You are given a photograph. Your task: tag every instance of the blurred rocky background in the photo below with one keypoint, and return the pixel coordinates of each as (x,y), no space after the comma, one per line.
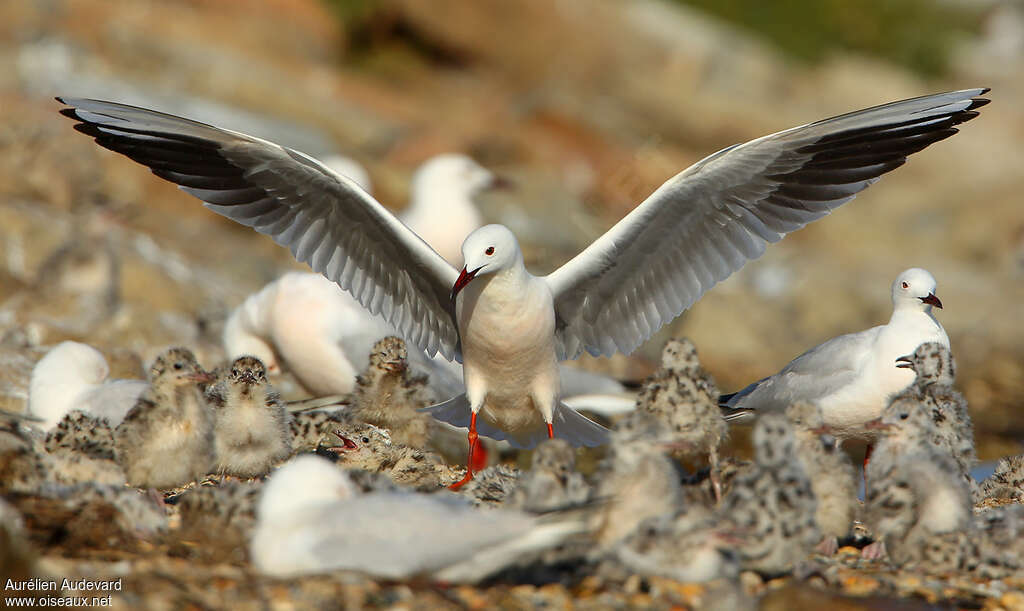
(588,106)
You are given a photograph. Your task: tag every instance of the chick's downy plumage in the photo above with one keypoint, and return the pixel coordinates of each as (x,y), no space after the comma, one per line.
(252,429)
(914,489)
(771,508)
(684,398)
(387,395)
(166,440)
(832,476)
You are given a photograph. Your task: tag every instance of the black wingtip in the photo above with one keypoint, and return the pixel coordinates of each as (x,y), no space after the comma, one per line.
(69,112)
(978,103)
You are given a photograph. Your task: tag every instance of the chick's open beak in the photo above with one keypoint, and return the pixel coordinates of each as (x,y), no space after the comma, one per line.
(931,299)
(904,362)
(465,277)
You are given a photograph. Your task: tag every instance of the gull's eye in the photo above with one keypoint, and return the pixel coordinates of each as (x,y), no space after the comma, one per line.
(366,440)
(178,365)
(489,251)
(234,372)
(906,285)
(904,416)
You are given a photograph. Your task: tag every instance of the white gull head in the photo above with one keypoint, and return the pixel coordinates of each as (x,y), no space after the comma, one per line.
(488,250)
(915,288)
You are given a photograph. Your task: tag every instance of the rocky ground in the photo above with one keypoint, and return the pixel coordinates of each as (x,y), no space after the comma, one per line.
(588,107)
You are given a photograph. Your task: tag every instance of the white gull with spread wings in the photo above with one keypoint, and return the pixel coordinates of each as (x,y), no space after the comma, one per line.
(692,232)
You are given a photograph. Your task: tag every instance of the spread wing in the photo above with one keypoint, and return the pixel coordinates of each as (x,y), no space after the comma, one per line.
(713,217)
(325,219)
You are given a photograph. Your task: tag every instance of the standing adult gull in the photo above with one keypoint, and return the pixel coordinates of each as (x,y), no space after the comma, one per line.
(511,328)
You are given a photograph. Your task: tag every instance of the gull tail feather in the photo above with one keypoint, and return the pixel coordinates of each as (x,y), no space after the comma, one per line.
(569,425)
(577,429)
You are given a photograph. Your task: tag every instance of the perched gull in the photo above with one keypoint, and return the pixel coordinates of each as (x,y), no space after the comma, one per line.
(852,377)
(74,376)
(509,327)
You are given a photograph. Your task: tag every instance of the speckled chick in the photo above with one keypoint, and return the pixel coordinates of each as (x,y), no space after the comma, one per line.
(314,428)
(687,547)
(388,396)
(220,518)
(914,490)
(23,461)
(552,481)
(936,371)
(81,432)
(493,486)
(684,397)
(166,440)
(1006,482)
(252,428)
(635,481)
(368,447)
(832,476)
(771,508)
(998,537)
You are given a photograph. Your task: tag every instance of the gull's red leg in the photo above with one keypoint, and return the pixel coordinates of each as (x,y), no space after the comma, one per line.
(551,431)
(867,459)
(472,451)
(479,459)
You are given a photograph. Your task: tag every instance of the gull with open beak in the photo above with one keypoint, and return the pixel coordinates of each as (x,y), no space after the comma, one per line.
(510,328)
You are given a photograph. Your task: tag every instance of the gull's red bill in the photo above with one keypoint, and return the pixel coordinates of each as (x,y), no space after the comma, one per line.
(931,299)
(465,277)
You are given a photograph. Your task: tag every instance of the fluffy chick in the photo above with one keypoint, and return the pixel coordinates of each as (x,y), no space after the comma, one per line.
(252,428)
(166,440)
(552,481)
(1006,482)
(771,508)
(635,481)
(22,460)
(81,432)
(388,396)
(832,476)
(684,397)
(914,491)
(687,548)
(311,429)
(953,431)
(367,447)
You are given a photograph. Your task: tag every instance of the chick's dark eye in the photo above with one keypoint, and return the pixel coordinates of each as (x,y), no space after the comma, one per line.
(366,440)
(489,251)
(906,285)
(178,366)
(904,416)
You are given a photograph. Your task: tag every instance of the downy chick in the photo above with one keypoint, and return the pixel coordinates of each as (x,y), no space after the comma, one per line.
(252,430)
(772,508)
(832,476)
(387,395)
(367,447)
(684,397)
(166,440)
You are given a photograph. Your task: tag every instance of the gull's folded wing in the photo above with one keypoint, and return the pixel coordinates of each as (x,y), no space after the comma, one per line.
(710,219)
(325,219)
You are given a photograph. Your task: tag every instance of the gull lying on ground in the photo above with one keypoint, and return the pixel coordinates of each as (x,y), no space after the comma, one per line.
(74,376)
(311,520)
(509,327)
